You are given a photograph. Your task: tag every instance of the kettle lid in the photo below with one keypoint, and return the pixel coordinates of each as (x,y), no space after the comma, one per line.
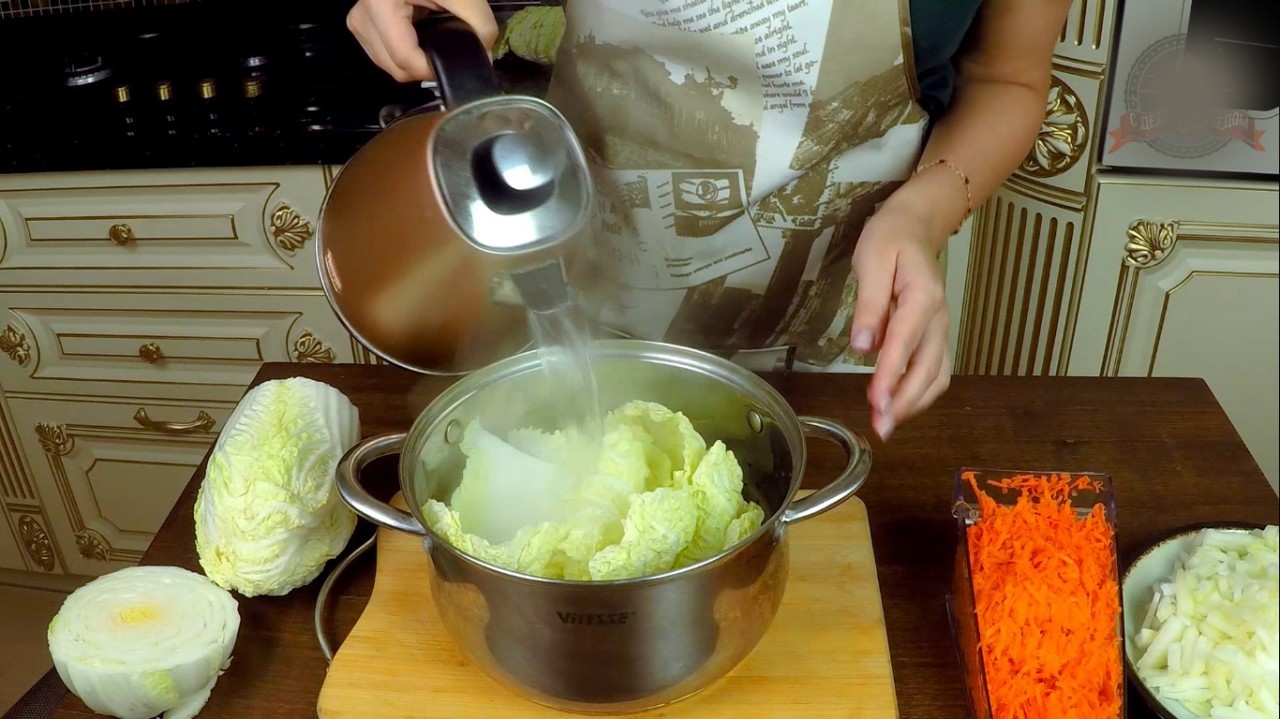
(428,229)
(510,174)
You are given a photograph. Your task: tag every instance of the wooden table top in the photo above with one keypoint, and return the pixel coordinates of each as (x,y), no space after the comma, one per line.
(1175,457)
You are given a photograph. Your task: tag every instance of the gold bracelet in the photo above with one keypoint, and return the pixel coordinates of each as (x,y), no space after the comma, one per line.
(968,194)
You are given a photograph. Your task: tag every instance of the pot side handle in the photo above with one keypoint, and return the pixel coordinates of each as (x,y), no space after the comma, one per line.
(841,488)
(353,493)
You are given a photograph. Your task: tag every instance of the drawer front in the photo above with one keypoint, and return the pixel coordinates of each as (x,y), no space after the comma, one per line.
(109,472)
(204,346)
(173,228)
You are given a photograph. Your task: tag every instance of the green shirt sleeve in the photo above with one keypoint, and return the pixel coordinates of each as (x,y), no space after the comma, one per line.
(938,28)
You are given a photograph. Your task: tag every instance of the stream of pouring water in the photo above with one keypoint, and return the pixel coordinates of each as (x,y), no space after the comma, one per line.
(562,336)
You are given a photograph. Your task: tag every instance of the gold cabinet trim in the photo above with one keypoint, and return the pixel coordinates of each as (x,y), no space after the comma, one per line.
(1064,134)
(1150,242)
(310,349)
(92,546)
(289,229)
(54,439)
(36,542)
(14,343)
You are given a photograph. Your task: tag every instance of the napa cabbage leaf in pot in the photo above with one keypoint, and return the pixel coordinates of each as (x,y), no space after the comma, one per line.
(654,498)
(268,515)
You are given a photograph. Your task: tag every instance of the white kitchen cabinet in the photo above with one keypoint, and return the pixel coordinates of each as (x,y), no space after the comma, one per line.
(1181,281)
(251,227)
(135,308)
(198,345)
(110,470)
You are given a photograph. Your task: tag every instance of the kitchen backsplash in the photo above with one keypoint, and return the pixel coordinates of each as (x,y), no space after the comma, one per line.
(27,8)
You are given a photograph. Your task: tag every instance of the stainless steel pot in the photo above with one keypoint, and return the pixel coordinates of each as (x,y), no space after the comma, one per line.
(619,646)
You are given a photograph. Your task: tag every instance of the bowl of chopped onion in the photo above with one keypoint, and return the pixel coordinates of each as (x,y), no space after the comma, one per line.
(1202,622)
(1035,599)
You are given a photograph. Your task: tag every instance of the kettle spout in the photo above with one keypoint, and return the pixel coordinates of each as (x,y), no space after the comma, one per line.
(543,287)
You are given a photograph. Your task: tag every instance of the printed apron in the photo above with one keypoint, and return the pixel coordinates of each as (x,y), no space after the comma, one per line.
(738,147)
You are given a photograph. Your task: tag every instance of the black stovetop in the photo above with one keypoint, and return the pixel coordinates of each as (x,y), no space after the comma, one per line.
(289,85)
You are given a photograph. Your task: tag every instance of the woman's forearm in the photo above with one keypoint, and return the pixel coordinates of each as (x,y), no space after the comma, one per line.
(986,134)
(1002,83)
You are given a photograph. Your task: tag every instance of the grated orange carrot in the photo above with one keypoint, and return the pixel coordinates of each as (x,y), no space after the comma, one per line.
(1047,602)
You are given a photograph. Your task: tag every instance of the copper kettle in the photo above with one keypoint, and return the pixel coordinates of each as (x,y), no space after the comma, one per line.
(440,233)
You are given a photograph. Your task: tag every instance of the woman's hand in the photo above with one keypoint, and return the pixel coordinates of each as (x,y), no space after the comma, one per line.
(901,311)
(385,31)
(1002,79)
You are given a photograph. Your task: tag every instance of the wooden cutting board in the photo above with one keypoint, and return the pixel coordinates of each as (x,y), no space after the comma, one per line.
(825,655)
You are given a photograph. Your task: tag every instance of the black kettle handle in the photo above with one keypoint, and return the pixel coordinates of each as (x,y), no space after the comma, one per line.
(463,70)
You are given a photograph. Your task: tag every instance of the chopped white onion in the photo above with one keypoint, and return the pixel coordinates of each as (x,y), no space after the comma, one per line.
(143,641)
(1210,639)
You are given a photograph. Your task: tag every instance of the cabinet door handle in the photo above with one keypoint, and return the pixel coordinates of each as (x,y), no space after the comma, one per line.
(120,234)
(203,422)
(150,353)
